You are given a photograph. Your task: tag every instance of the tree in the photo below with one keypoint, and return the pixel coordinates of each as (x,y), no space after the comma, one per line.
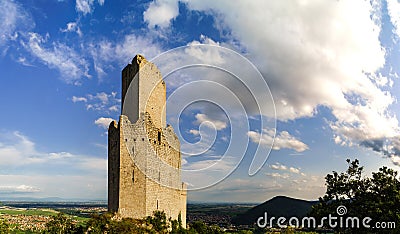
(99,223)
(377,197)
(60,224)
(158,221)
(176,225)
(129,225)
(201,228)
(4,227)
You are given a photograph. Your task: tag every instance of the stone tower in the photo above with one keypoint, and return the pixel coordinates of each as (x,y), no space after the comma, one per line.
(144,159)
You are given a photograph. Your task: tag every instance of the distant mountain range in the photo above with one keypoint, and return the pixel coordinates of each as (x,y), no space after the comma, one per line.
(279,206)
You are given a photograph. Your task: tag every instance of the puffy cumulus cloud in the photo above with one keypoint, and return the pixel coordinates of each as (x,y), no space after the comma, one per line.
(103,122)
(213,123)
(12,19)
(393,7)
(67,61)
(278,166)
(283,140)
(281,167)
(160,13)
(100,102)
(86,6)
(320,53)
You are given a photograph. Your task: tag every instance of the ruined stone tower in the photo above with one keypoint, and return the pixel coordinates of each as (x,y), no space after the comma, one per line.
(144,159)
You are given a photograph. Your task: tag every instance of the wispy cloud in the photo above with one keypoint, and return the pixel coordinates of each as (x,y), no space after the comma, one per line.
(18,189)
(13,18)
(278,175)
(19,154)
(25,169)
(86,6)
(100,102)
(216,163)
(283,140)
(72,27)
(67,61)
(260,189)
(106,52)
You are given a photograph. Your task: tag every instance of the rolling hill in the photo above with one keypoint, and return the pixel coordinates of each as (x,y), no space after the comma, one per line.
(279,206)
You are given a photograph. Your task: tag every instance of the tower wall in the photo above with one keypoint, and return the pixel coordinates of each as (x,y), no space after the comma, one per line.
(113,166)
(144,154)
(143,87)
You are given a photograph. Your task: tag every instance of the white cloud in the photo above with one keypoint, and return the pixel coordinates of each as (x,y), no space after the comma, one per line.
(103,122)
(12,19)
(105,52)
(281,167)
(278,167)
(213,123)
(12,189)
(79,99)
(160,13)
(194,132)
(393,7)
(259,189)
(103,97)
(215,164)
(61,57)
(283,140)
(86,6)
(72,27)
(63,186)
(294,170)
(100,102)
(114,108)
(23,61)
(18,154)
(278,175)
(306,67)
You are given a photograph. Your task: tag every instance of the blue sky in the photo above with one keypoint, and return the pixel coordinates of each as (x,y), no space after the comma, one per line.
(331,66)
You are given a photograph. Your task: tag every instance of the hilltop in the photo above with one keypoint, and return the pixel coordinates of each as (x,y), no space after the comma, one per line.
(279,206)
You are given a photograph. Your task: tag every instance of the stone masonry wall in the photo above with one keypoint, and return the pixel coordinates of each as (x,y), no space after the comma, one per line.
(156,183)
(144,155)
(113,166)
